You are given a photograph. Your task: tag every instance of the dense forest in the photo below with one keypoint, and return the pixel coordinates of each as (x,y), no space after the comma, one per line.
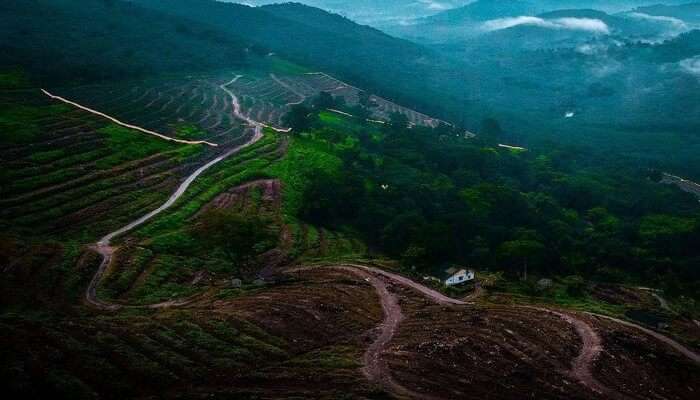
(430,197)
(100,40)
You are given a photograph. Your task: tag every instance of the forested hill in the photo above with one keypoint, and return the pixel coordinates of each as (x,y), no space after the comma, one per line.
(324,41)
(67,40)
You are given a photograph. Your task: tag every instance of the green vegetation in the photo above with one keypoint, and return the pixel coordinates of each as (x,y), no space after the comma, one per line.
(126,145)
(240,237)
(305,158)
(431,197)
(19,123)
(13,79)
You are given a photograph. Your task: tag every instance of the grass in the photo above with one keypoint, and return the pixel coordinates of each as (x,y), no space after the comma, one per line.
(127,145)
(305,157)
(13,79)
(272,64)
(559,295)
(188,132)
(19,123)
(329,358)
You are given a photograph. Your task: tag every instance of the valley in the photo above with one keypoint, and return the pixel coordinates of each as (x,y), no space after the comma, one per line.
(201,199)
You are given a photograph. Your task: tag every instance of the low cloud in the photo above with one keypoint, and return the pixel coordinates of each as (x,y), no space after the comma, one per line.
(691,66)
(573,24)
(674,22)
(435,5)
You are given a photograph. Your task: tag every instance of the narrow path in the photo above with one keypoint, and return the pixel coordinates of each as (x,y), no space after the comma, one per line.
(662,302)
(591,347)
(285,85)
(691,355)
(430,293)
(124,124)
(241,115)
(581,367)
(103,246)
(375,368)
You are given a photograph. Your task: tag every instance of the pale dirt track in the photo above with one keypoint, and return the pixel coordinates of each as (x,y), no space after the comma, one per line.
(124,124)
(301,96)
(107,251)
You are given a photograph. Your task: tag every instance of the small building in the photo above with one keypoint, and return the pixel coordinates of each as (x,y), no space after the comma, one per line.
(457,276)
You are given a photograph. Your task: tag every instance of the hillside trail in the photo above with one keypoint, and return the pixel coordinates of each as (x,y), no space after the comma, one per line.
(582,366)
(375,368)
(103,246)
(691,355)
(302,96)
(124,124)
(237,108)
(591,348)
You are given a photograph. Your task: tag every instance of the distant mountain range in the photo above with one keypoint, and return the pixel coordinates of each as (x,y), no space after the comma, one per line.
(592,17)
(374,12)
(689,13)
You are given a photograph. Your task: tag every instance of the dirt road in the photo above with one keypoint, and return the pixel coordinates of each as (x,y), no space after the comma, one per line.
(591,347)
(582,366)
(691,355)
(107,251)
(285,85)
(430,293)
(237,109)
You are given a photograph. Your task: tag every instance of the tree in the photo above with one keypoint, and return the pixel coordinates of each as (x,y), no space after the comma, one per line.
(323,101)
(398,123)
(490,130)
(523,250)
(240,237)
(299,118)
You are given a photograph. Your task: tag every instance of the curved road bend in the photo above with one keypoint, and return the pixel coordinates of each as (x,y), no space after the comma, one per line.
(691,355)
(237,108)
(107,251)
(581,368)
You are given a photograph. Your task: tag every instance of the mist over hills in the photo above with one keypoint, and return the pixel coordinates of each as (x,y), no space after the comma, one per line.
(203,199)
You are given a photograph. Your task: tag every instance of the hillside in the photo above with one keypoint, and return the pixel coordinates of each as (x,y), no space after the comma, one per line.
(321,41)
(250,224)
(689,12)
(101,40)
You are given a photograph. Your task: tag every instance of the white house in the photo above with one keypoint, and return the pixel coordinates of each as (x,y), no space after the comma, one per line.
(456,276)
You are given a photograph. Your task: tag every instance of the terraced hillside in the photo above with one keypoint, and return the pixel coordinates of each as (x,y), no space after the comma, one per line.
(255,343)
(199,107)
(153,309)
(65,170)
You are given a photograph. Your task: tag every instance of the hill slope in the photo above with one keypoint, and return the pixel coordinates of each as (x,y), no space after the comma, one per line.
(97,40)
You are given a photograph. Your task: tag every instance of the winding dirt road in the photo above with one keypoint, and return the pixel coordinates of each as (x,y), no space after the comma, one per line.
(591,347)
(375,368)
(240,115)
(582,366)
(691,355)
(103,246)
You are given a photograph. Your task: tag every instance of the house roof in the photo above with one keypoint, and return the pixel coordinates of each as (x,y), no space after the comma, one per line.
(454,270)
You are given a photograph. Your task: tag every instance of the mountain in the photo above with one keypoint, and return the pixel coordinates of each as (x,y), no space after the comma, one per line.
(97,40)
(689,13)
(323,41)
(376,13)
(484,10)
(467,21)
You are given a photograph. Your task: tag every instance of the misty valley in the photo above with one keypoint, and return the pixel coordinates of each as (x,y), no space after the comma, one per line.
(350,199)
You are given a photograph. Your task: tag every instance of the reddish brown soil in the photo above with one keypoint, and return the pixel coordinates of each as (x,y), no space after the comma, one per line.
(643,367)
